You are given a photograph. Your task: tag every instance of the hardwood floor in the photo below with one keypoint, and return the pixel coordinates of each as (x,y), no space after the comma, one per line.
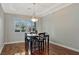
(19,49)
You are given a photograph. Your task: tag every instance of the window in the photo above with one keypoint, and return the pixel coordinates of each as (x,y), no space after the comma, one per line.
(22,25)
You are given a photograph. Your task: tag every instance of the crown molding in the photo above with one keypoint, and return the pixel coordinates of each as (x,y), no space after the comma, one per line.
(50,10)
(55,9)
(22,16)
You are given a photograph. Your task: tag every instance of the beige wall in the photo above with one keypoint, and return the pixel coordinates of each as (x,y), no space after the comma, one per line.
(1,28)
(10,34)
(63,26)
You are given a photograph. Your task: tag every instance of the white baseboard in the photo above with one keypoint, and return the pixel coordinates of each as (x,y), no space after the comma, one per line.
(1,48)
(50,42)
(13,42)
(77,50)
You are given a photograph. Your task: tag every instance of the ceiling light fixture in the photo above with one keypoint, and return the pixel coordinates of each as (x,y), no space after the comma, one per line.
(34,19)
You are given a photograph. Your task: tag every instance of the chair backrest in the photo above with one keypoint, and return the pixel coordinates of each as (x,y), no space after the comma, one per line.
(41,36)
(25,35)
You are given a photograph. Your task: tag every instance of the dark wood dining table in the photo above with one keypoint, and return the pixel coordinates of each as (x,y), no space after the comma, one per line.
(29,39)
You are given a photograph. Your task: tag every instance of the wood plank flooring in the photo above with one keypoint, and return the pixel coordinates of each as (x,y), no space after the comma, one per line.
(19,49)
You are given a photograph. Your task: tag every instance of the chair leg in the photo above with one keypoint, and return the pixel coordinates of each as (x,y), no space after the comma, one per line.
(39,47)
(31,47)
(43,45)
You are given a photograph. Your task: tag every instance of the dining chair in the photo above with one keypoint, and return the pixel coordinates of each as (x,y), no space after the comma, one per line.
(26,43)
(42,41)
(38,43)
(47,43)
(34,43)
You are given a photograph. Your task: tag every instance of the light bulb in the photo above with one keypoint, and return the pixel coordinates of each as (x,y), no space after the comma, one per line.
(34,19)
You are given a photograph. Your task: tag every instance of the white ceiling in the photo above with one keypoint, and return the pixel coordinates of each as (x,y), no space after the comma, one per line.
(41,9)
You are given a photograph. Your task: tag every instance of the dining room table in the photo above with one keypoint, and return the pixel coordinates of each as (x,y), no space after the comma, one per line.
(29,37)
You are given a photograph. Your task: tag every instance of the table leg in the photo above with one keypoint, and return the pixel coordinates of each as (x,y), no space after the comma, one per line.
(48,45)
(30,48)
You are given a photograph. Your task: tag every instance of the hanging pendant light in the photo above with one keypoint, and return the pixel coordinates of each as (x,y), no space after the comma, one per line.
(34,19)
